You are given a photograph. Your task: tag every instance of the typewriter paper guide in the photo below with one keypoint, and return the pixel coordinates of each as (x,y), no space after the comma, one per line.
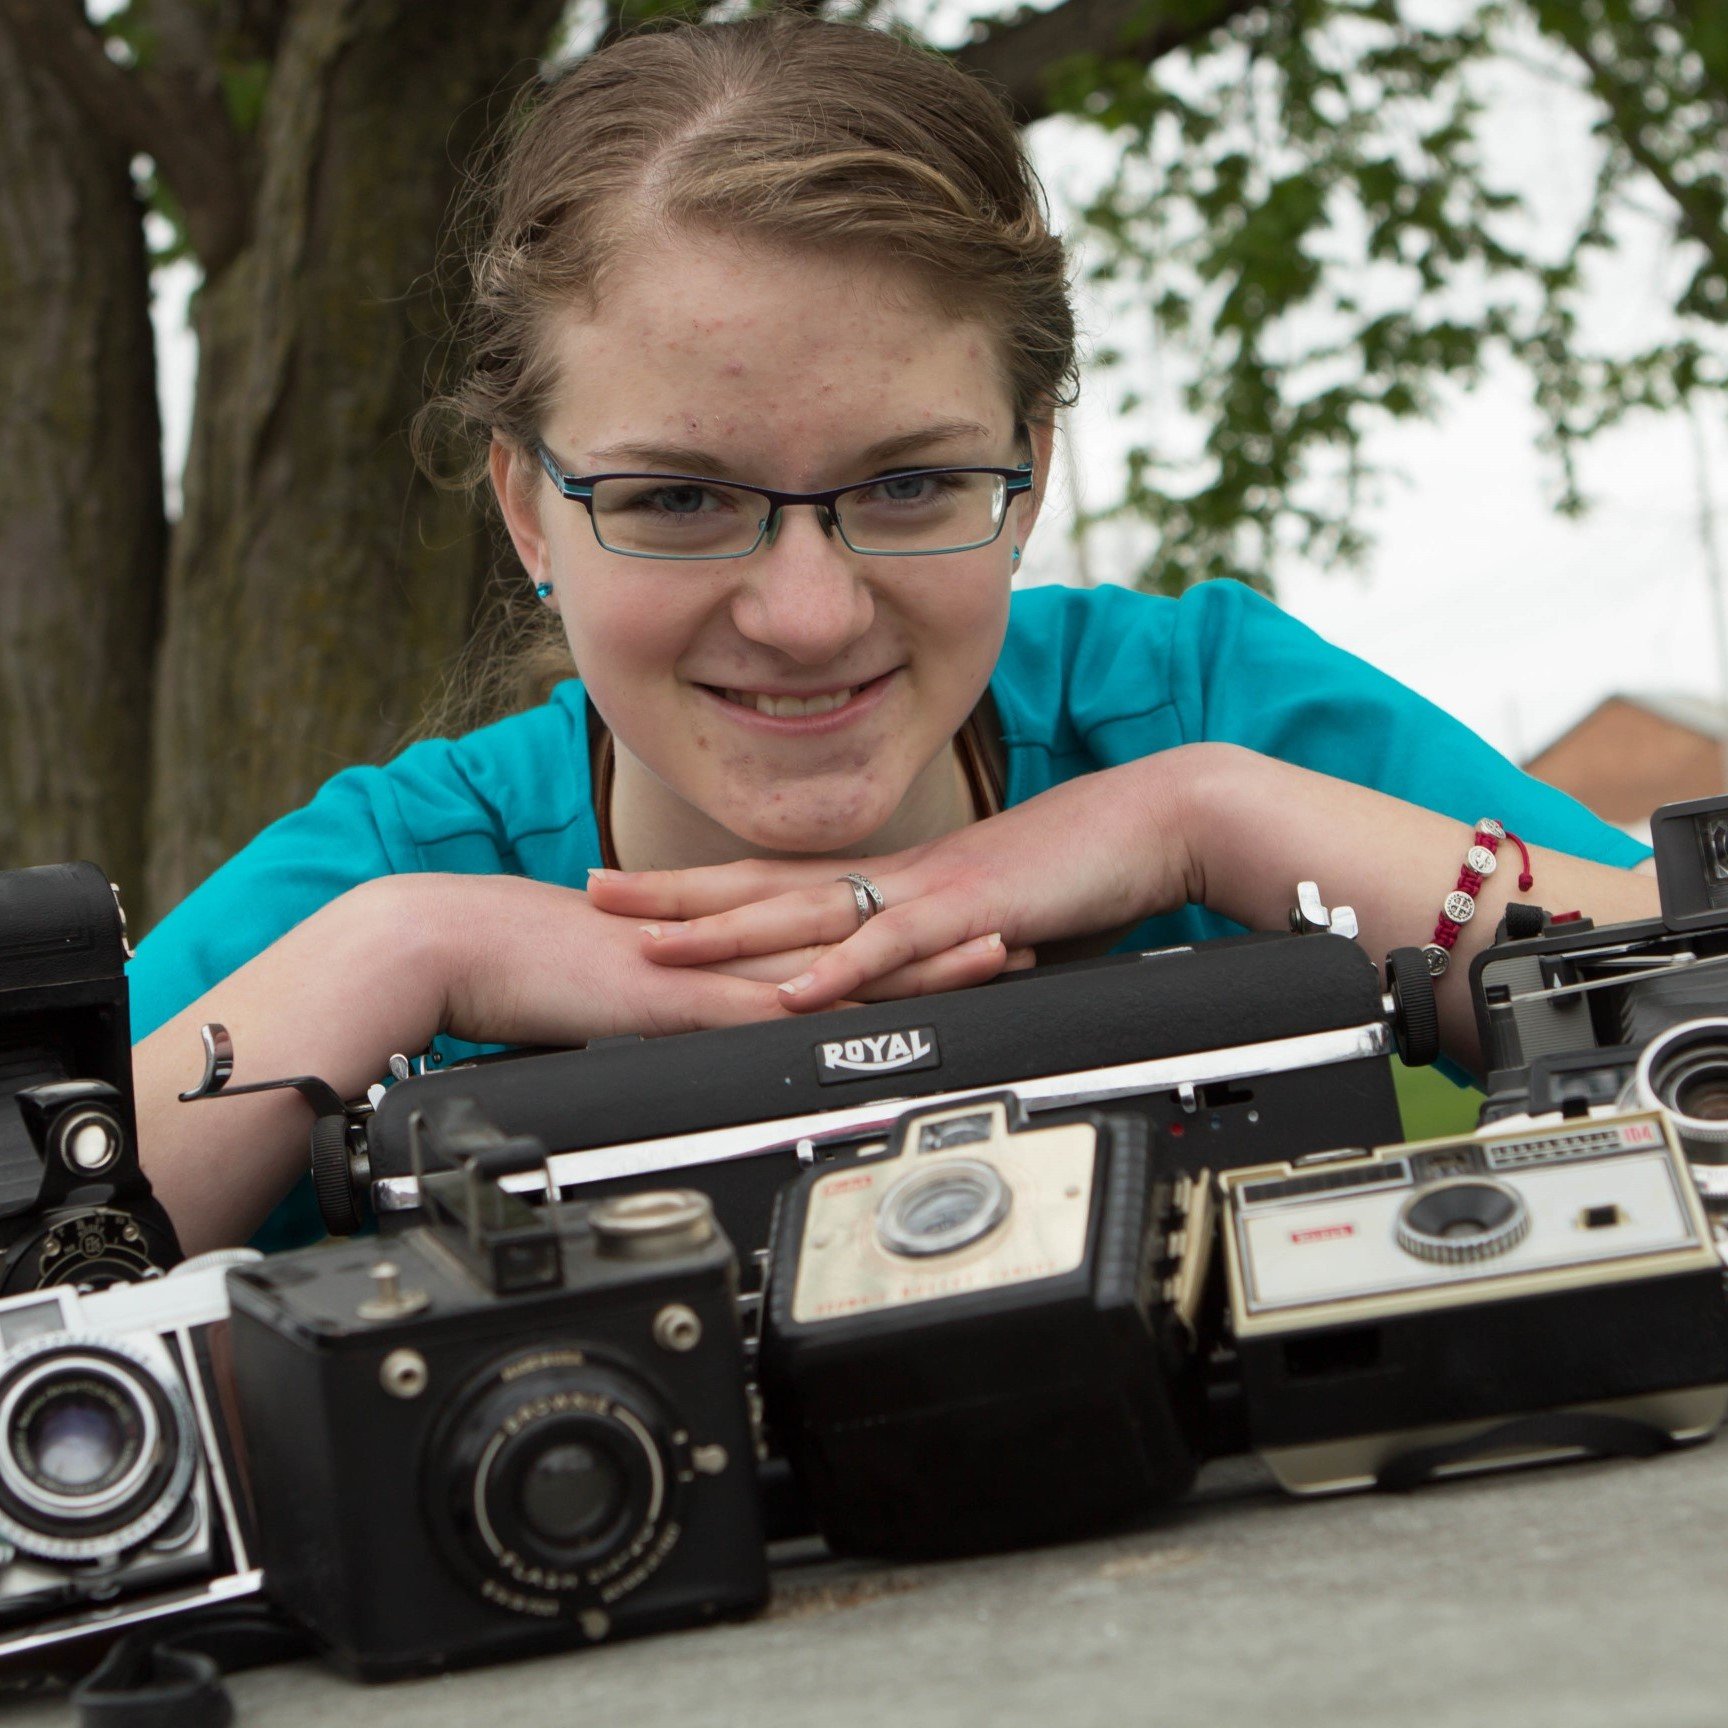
(844,1270)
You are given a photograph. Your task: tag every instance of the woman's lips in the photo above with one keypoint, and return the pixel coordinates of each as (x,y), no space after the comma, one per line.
(811,715)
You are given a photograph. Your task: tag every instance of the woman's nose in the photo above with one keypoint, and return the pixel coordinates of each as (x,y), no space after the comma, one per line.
(803,591)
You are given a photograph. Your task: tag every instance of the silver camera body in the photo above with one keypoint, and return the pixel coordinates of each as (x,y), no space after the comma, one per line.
(121,1500)
(1530,1291)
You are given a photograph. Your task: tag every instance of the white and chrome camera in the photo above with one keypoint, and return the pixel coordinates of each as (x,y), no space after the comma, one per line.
(1453,1305)
(120,1500)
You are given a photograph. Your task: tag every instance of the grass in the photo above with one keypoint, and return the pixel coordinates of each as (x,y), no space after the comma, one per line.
(1431,1105)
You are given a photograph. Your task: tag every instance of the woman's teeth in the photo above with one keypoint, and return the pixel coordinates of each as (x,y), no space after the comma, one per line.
(785,706)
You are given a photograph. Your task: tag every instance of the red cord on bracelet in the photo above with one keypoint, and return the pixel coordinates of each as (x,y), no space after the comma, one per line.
(1460,905)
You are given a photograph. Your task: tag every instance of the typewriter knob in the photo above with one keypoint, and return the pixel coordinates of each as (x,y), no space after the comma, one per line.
(333,1176)
(1415,1017)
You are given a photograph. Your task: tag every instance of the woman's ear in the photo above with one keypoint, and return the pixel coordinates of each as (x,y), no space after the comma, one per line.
(1040,436)
(514,481)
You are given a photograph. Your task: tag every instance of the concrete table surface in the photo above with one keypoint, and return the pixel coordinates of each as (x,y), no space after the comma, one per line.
(1577,1595)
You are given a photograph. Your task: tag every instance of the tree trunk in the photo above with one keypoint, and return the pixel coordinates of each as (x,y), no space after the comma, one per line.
(319,586)
(81,528)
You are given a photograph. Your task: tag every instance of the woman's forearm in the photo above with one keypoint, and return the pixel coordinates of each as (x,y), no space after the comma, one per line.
(361,978)
(1256,826)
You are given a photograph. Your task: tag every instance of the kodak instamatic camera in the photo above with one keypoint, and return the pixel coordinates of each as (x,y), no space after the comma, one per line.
(982,1337)
(517,1429)
(121,1503)
(1453,1305)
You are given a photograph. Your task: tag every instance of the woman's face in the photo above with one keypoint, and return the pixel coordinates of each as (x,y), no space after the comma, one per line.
(797,372)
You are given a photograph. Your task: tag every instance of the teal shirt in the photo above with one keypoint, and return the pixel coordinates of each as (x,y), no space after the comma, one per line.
(1087,679)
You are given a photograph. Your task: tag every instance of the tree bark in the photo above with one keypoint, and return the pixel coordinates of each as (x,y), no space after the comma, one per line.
(81,524)
(318,585)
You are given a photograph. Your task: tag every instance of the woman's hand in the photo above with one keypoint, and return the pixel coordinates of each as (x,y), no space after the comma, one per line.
(1092,854)
(537,964)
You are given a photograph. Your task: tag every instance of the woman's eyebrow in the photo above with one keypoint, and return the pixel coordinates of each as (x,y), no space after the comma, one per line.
(688,459)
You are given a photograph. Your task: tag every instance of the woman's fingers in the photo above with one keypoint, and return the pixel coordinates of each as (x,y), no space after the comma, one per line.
(683,894)
(958,969)
(824,913)
(895,939)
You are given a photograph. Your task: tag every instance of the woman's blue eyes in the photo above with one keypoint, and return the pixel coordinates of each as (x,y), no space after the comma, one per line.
(688,500)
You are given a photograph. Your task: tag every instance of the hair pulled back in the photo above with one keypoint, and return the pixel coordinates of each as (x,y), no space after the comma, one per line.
(781,127)
(792,129)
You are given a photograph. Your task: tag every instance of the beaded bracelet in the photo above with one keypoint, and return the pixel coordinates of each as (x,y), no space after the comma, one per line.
(1460,905)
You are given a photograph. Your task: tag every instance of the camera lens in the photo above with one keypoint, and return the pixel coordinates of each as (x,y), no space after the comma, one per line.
(1684,1071)
(942,1209)
(571,1492)
(554,1478)
(97,1447)
(1463,1219)
(78,1438)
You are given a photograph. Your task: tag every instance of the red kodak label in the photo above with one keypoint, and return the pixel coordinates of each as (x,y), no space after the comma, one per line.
(1322,1233)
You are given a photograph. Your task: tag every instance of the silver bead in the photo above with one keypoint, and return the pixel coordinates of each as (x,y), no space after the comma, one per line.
(1487,825)
(1438,959)
(1460,907)
(1481,860)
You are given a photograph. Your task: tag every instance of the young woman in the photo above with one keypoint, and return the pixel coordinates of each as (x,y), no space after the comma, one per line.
(769,331)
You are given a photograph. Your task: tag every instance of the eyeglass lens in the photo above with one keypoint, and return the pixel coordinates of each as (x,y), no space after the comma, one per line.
(946,511)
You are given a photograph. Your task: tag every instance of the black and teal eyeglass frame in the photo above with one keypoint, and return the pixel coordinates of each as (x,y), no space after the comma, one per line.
(579,488)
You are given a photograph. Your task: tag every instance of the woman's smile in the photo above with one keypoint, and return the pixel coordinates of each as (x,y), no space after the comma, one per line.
(789,714)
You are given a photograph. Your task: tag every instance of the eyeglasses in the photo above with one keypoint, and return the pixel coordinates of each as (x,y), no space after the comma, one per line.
(913,513)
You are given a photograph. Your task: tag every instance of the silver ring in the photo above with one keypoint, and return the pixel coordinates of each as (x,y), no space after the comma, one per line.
(866,896)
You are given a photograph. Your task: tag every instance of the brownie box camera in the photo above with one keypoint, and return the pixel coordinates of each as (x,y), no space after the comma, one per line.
(523,1429)
(981,1338)
(1449,1305)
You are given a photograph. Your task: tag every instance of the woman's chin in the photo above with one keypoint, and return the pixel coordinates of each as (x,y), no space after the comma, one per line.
(808,834)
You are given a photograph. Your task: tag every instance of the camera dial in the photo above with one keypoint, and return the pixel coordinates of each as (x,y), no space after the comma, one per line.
(97,1450)
(942,1208)
(1461,1219)
(555,1482)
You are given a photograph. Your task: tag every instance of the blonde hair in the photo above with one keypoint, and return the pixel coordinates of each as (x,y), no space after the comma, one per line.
(784,127)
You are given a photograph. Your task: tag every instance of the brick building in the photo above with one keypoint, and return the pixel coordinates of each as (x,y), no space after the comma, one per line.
(1630,754)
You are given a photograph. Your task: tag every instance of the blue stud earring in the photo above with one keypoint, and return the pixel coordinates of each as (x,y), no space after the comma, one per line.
(544,589)
(1016,559)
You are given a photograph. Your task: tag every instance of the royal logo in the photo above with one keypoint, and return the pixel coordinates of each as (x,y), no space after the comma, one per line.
(881,1053)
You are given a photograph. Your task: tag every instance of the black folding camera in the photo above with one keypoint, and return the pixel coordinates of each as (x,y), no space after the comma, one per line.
(121,1498)
(984,1337)
(75,1205)
(1575,1018)
(511,1430)
(1545,1290)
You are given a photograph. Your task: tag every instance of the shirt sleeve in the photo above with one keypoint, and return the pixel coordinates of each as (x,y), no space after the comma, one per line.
(350,833)
(1244,672)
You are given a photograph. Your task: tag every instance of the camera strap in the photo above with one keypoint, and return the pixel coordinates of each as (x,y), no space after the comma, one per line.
(1596,1435)
(176,1681)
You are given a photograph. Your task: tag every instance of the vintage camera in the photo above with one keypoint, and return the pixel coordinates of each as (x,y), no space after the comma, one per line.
(75,1206)
(514,1429)
(1454,1305)
(1565,1008)
(122,1501)
(984,1337)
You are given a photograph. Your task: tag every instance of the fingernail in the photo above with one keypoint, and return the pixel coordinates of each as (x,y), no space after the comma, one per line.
(983,944)
(595,870)
(803,981)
